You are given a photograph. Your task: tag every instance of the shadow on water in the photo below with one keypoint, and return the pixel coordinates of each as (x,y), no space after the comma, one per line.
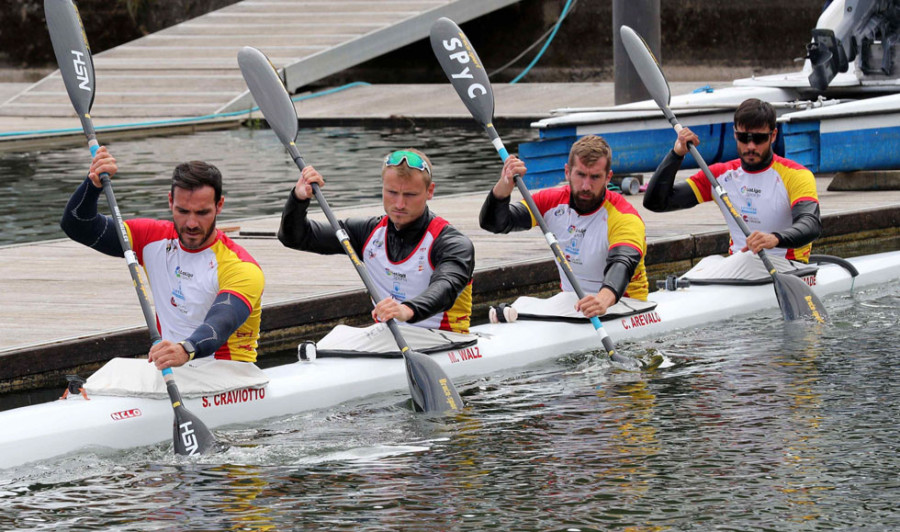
(257,172)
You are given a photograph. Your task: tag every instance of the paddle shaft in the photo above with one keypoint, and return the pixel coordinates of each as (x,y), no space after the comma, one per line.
(191,436)
(466,73)
(607,342)
(429,386)
(450,393)
(73,56)
(720,192)
(808,304)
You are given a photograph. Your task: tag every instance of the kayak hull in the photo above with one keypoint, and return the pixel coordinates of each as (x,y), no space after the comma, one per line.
(46,430)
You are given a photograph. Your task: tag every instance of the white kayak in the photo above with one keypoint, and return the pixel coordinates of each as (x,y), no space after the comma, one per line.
(52,429)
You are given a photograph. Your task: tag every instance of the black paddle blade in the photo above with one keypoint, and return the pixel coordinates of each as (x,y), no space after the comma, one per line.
(646,66)
(430,388)
(191,436)
(463,68)
(73,55)
(270,94)
(797,300)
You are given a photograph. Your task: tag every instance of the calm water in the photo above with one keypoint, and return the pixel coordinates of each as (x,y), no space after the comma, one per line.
(758,425)
(257,171)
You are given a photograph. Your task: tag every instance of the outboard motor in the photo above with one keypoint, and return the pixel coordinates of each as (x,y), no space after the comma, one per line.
(867,31)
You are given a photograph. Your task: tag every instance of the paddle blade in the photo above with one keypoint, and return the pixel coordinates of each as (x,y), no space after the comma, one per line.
(72,52)
(797,300)
(646,66)
(191,436)
(269,92)
(430,388)
(463,68)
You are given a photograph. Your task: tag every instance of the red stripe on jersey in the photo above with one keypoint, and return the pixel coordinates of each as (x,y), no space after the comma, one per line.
(239,296)
(787,162)
(224,352)
(627,244)
(702,184)
(235,248)
(382,223)
(144,231)
(804,198)
(551,198)
(621,204)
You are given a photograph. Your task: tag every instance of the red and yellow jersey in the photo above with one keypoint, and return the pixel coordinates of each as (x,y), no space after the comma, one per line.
(184,283)
(763,199)
(587,239)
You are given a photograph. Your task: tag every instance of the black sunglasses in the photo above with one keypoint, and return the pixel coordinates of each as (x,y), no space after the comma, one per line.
(744,137)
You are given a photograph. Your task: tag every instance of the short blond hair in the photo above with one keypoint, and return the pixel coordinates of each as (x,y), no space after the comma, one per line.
(589,149)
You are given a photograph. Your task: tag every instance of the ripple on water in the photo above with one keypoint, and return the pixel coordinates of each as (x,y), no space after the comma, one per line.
(758,424)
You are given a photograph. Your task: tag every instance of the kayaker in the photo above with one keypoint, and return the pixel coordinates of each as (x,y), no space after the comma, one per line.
(207,289)
(417,258)
(776,196)
(601,234)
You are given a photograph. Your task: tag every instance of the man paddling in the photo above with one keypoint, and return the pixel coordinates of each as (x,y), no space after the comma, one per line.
(775,196)
(423,263)
(207,289)
(601,234)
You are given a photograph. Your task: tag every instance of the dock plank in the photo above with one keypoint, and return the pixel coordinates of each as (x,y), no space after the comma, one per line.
(61,289)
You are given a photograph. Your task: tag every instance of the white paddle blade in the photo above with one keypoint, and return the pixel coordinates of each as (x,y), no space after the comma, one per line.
(73,55)
(269,92)
(646,66)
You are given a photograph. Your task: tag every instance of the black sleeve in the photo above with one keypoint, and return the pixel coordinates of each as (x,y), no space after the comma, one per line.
(299,232)
(82,223)
(227,313)
(501,216)
(453,256)
(806,225)
(621,263)
(662,193)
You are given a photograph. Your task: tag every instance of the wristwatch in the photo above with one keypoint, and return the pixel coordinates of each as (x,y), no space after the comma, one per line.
(189,349)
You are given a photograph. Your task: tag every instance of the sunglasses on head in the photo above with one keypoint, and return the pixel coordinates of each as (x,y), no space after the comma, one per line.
(413,160)
(744,137)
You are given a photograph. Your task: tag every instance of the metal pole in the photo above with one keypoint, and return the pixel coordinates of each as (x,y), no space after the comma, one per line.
(643,17)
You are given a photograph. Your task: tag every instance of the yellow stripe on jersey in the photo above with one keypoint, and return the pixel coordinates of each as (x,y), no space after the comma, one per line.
(459,315)
(628,229)
(245,279)
(800,183)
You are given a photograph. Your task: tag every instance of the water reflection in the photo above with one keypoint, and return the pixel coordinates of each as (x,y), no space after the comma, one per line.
(804,452)
(257,171)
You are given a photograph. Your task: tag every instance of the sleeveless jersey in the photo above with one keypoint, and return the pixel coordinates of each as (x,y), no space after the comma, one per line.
(184,283)
(586,239)
(764,199)
(410,277)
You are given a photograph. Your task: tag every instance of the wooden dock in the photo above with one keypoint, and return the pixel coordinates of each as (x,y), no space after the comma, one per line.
(191,70)
(61,290)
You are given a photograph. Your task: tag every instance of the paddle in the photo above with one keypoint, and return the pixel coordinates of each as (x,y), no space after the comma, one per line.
(76,67)
(429,386)
(468,76)
(795,297)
